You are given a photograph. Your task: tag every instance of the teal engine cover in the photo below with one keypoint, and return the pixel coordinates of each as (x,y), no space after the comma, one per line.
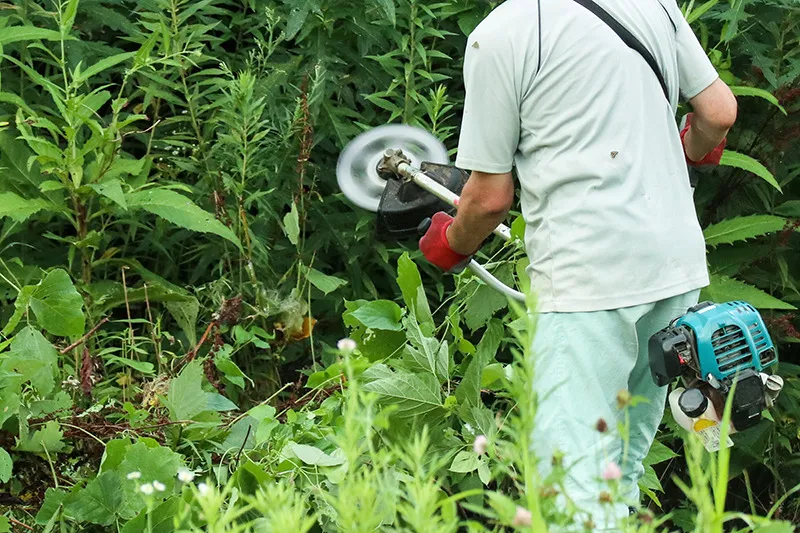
(730,337)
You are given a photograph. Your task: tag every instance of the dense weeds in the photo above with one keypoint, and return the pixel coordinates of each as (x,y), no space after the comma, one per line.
(178,271)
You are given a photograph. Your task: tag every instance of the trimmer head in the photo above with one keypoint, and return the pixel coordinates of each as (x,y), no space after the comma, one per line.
(357,170)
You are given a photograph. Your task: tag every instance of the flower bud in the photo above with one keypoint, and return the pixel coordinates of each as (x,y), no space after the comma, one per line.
(480,445)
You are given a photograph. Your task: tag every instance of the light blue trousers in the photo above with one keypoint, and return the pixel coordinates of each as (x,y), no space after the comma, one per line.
(582,362)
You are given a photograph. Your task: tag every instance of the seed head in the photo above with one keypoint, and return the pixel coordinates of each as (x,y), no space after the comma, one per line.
(623,399)
(602,425)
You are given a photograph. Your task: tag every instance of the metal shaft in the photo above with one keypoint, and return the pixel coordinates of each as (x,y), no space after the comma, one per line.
(443,193)
(449,197)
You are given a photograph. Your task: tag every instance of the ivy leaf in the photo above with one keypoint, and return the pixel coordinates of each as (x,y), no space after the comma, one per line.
(327,284)
(465,462)
(413,394)
(410,282)
(380,314)
(187,399)
(724,289)
(6,466)
(181,211)
(18,208)
(742,228)
(100,502)
(745,162)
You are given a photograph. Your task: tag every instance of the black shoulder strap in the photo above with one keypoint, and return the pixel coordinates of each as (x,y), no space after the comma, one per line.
(628,38)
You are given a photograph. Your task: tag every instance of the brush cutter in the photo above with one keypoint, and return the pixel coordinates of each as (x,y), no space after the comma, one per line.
(402,173)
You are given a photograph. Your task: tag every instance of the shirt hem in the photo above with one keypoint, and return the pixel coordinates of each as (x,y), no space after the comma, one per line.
(605,303)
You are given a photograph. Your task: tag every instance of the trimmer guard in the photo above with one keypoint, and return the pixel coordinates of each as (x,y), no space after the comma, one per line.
(404,205)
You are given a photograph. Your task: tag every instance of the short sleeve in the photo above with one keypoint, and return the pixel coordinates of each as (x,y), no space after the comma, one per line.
(490,125)
(695,69)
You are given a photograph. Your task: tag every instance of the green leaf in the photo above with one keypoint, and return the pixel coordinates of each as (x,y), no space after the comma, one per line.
(291,225)
(111,189)
(57,305)
(5,526)
(776,527)
(725,289)
(6,466)
(53,498)
(46,440)
(789,209)
(27,33)
(181,211)
(380,314)
(102,65)
(465,462)
(387,6)
(327,284)
(154,463)
(142,367)
(311,455)
(427,354)
(100,502)
(187,399)
(745,162)
(185,314)
(742,228)
(18,208)
(658,454)
(469,390)
(162,519)
(34,359)
(760,93)
(410,282)
(413,394)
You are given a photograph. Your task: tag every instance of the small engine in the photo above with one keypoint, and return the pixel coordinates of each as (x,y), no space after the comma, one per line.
(719,345)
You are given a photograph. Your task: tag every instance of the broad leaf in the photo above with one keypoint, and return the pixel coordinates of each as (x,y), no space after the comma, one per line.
(185,314)
(18,208)
(789,209)
(725,289)
(100,502)
(311,455)
(154,463)
(414,395)
(56,304)
(745,162)
(410,282)
(380,314)
(658,454)
(34,359)
(187,399)
(6,466)
(469,390)
(465,462)
(426,353)
(162,519)
(742,228)
(181,211)
(46,440)
(327,284)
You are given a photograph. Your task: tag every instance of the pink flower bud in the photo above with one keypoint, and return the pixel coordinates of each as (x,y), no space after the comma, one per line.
(523,517)
(480,445)
(612,472)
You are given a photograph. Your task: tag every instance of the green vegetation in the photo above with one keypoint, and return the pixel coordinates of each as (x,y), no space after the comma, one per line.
(177,269)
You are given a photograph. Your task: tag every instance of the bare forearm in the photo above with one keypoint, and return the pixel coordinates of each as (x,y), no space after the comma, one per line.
(484,204)
(702,137)
(715,111)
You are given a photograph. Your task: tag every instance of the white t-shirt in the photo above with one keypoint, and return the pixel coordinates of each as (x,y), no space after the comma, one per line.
(610,218)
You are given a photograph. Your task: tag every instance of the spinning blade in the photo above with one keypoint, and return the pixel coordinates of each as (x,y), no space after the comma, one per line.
(357,172)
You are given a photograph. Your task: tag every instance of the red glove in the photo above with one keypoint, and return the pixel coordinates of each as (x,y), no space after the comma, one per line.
(712,158)
(437,250)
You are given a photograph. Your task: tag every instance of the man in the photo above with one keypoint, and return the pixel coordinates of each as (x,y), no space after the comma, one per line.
(615,246)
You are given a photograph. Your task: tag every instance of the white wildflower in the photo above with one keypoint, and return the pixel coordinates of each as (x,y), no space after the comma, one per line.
(147,488)
(203,489)
(160,487)
(480,445)
(134,475)
(523,517)
(186,476)
(347,345)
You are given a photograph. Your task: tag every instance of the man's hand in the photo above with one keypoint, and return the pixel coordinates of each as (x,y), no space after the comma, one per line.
(712,158)
(485,202)
(436,248)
